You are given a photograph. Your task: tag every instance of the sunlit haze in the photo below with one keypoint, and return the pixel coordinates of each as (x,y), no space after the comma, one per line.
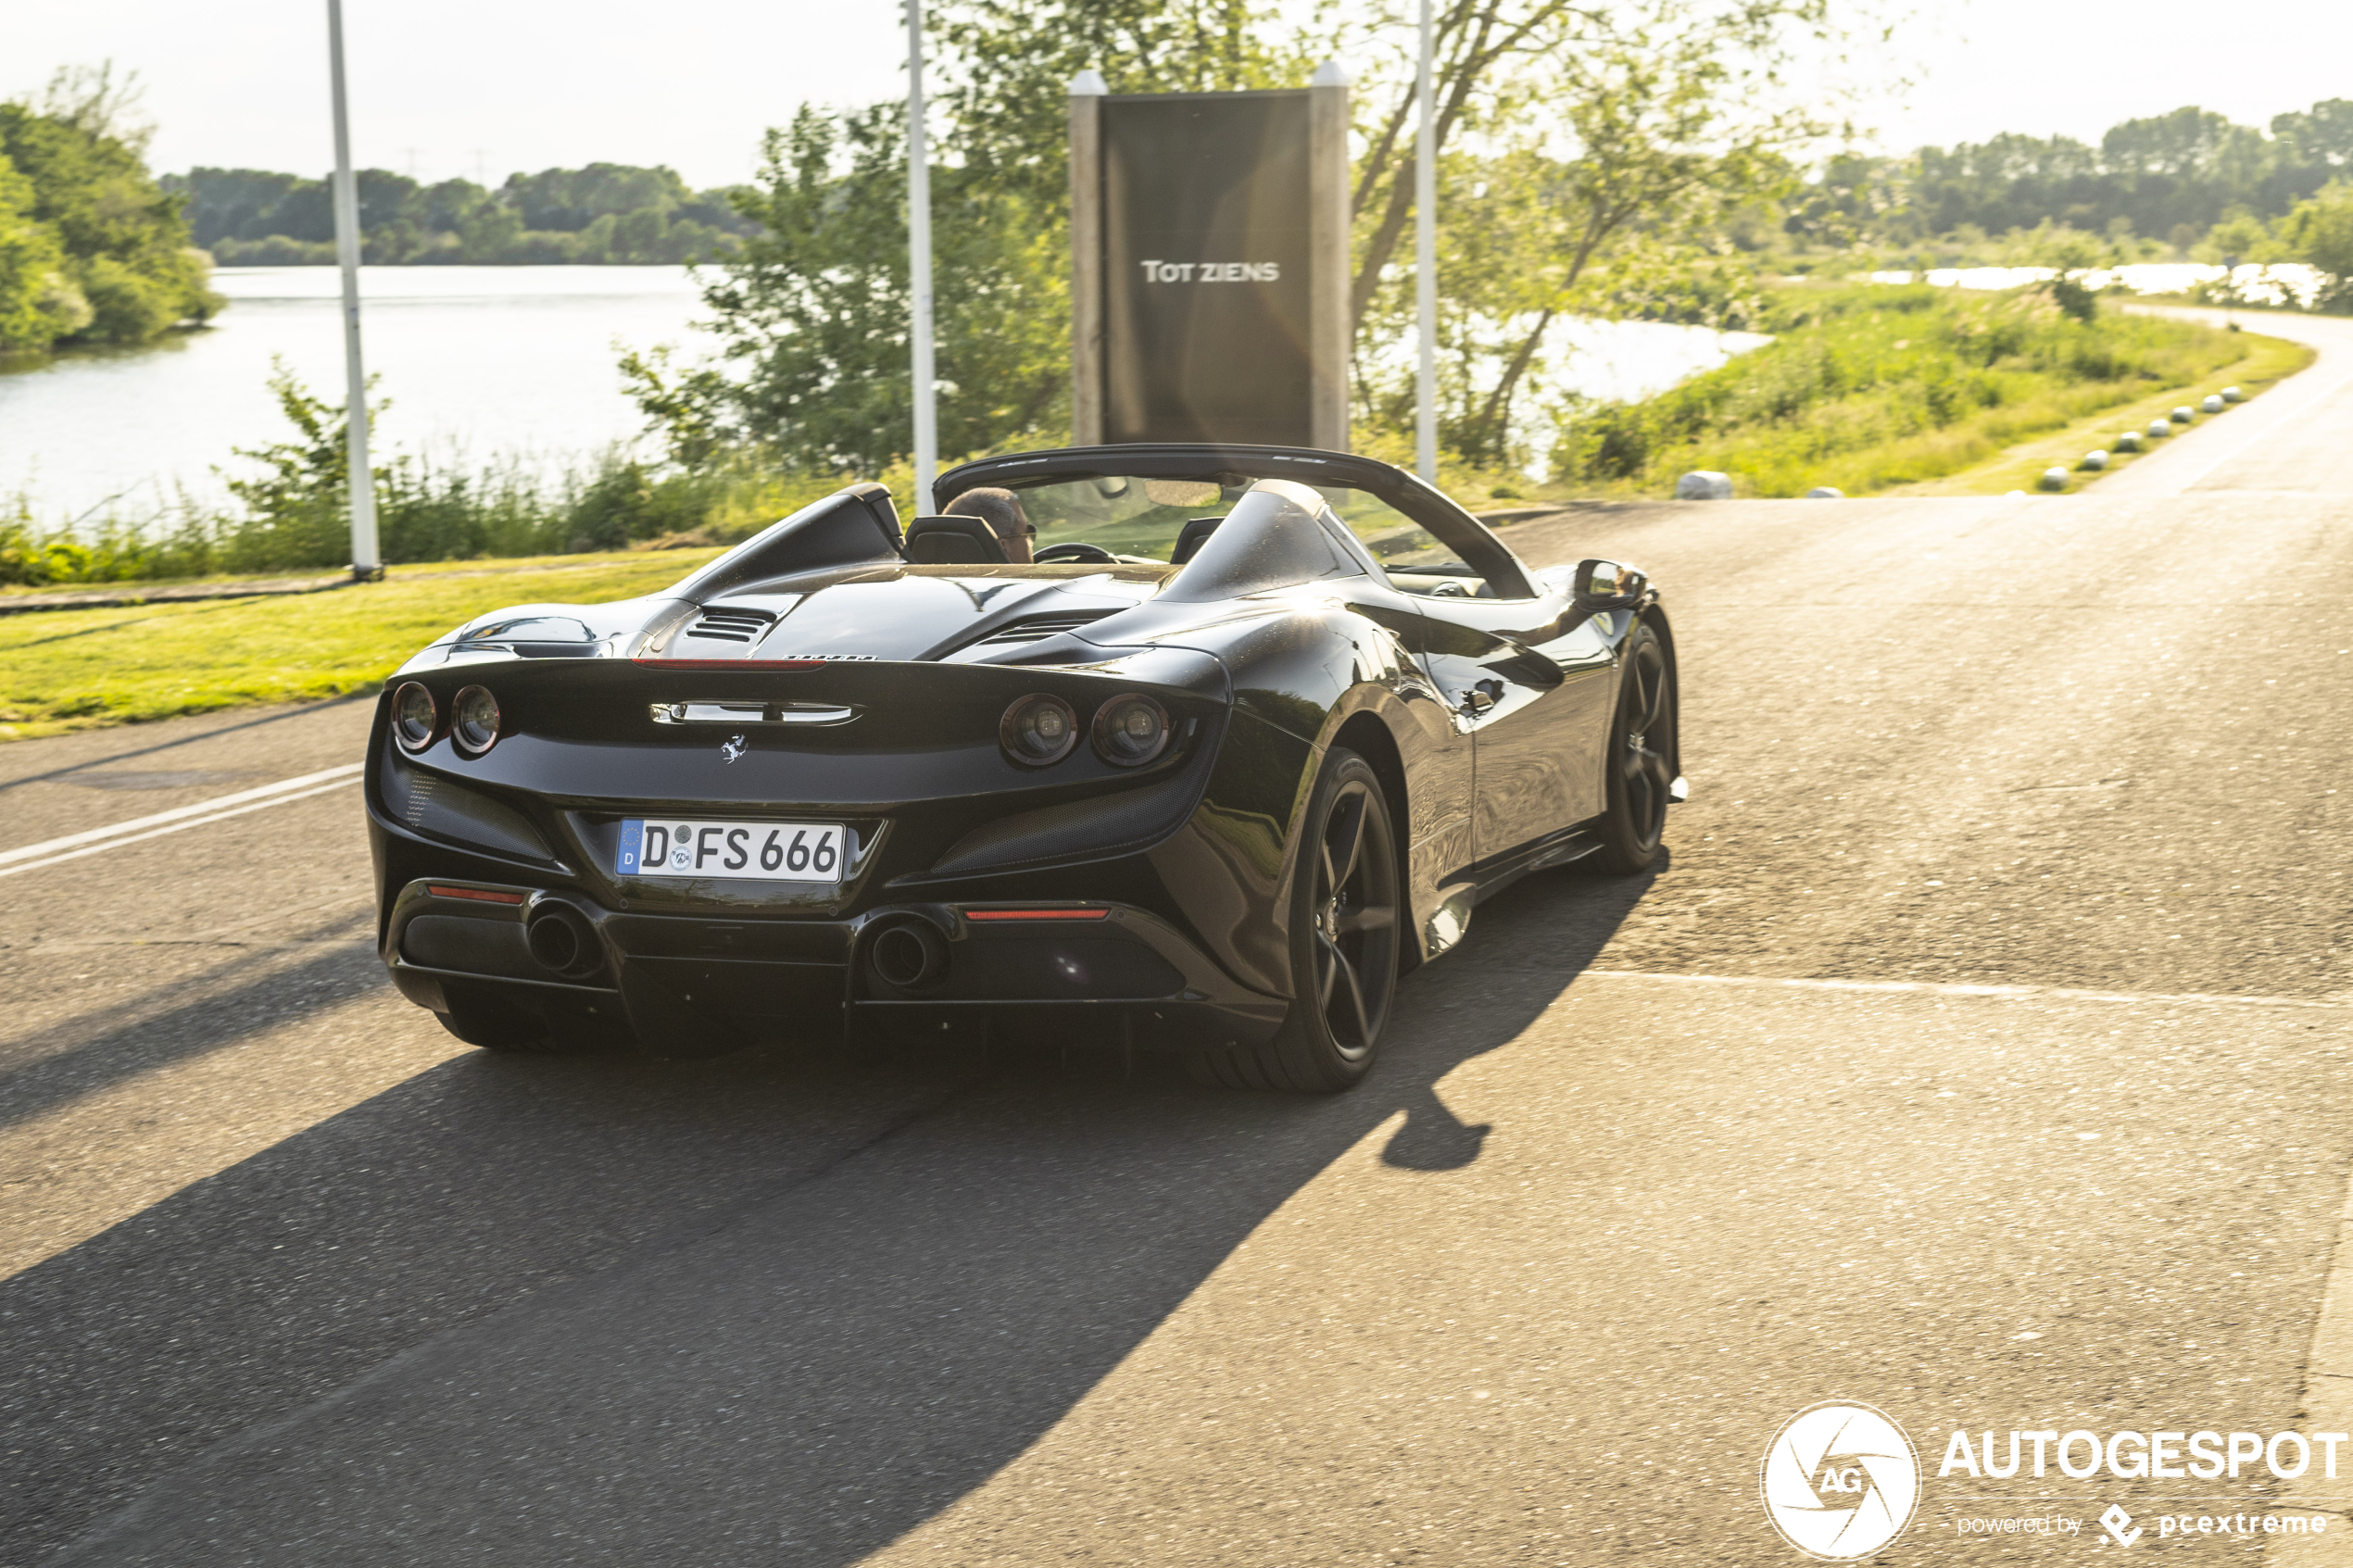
(486,89)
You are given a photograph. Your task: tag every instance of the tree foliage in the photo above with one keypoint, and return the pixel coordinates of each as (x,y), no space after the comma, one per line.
(1583,151)
(91,250)
(2172,175)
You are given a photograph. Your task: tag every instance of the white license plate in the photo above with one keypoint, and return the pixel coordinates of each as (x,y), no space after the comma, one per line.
(764,851)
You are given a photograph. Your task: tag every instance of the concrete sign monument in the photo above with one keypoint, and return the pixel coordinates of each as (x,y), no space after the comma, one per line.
(1209,236)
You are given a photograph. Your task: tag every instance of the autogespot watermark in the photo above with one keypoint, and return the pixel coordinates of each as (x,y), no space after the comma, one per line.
(1842,1479)
(2028,1524)
(2133,1456)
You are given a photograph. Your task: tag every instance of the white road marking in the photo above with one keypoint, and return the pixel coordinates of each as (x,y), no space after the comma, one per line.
(73,846)
(2277,425)
(2053,993)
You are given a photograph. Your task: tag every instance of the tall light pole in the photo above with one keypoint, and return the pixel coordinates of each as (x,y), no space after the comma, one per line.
(361,478)
(918,261)
(1426,261)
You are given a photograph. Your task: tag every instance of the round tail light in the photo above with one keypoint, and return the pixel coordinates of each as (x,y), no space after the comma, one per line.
(473,720)
(1039,730)
(414,717)
(1130,729)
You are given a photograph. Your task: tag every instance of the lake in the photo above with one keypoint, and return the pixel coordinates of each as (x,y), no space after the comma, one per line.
(477,361)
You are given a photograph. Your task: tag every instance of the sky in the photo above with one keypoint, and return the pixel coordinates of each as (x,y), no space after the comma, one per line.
(487,87)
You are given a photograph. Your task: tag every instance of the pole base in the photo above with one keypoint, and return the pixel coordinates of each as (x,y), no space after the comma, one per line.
(367,574)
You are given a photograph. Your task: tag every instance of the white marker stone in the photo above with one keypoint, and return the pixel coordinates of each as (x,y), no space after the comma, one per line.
(2096,459)
(1704,485)
(2054,479)
(2128,441)
(2211,403)
(1826,493)
(2159,430)
(2184,414)
(2232,395)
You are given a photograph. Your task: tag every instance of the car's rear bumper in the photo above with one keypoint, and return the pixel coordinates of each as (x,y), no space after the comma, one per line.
(689,985)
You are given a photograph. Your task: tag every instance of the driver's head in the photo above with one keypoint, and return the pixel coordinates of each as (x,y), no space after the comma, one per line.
(1000,510)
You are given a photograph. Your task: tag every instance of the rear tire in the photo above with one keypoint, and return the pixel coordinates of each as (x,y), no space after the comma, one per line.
(1641,773)
(1346,923)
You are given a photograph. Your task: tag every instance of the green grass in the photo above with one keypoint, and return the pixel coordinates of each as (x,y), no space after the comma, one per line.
(2268,362)
(70,670)
(1875,388)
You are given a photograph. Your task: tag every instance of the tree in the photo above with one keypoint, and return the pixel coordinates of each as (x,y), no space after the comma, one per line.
(814,313)
(2321,232)
(1566,132)
(2320,135)
(1502,66)
(38,303)
(127,272)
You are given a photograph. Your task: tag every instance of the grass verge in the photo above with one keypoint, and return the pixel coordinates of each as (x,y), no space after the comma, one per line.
(71,669)
(2268,362)
(1877,389)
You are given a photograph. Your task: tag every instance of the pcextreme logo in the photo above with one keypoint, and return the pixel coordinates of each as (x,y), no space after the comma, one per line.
(1841,1480)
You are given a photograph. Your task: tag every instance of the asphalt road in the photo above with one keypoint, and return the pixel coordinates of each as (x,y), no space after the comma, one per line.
(1978,1053)
(2292,441)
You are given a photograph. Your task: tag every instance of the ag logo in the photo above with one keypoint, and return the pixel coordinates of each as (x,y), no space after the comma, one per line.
(1840,1481)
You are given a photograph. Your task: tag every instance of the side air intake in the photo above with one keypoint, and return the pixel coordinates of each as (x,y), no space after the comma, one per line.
(731,625)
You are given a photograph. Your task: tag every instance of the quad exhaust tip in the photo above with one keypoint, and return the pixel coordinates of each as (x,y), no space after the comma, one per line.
(563,942)
(909,955)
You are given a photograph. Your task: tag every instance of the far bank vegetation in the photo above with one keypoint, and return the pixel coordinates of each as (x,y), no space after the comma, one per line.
(602,213)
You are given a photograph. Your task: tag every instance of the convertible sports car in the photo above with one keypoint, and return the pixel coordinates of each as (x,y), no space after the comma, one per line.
(1253,735)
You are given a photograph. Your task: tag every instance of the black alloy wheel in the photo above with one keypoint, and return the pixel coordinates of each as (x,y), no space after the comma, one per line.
(1642,748)
(1345,926)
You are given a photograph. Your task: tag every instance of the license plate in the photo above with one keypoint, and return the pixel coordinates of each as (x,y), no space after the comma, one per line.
(762,851)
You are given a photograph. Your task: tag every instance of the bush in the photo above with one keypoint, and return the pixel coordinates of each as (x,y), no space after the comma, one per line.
(292,515)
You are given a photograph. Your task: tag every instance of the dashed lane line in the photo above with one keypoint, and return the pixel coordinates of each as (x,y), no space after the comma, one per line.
(95,841)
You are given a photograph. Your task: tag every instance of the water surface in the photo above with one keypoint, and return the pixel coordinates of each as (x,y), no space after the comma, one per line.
(486,360)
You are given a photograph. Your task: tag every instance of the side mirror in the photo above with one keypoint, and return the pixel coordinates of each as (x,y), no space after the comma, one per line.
(1605,584)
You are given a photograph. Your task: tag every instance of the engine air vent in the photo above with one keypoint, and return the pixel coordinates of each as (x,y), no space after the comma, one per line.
(1036,628)
(731,625)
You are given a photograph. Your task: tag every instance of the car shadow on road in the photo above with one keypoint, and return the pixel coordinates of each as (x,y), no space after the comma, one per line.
(765,1310)
(227,1003)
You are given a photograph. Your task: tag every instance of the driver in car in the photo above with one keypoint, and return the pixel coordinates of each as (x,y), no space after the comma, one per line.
(1000,510)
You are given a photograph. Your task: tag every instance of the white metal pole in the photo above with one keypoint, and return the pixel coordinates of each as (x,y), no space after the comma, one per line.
(346,200)
(1426,262)
(918,261)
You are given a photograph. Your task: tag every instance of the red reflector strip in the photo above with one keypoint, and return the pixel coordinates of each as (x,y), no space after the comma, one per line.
(731,663)
(481,895)
(1036,914)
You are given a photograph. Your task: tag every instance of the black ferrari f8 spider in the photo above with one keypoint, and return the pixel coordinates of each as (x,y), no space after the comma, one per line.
(1251,736)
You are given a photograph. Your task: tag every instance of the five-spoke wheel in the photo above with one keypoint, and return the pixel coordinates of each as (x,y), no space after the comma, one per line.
(1642,753)
(1345,910)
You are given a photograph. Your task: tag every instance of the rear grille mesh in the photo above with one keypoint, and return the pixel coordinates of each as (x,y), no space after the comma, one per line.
(731,625)
(1038,628)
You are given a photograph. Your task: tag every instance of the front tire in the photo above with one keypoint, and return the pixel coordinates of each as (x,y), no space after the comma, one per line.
(1641,746)
(1346,923)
